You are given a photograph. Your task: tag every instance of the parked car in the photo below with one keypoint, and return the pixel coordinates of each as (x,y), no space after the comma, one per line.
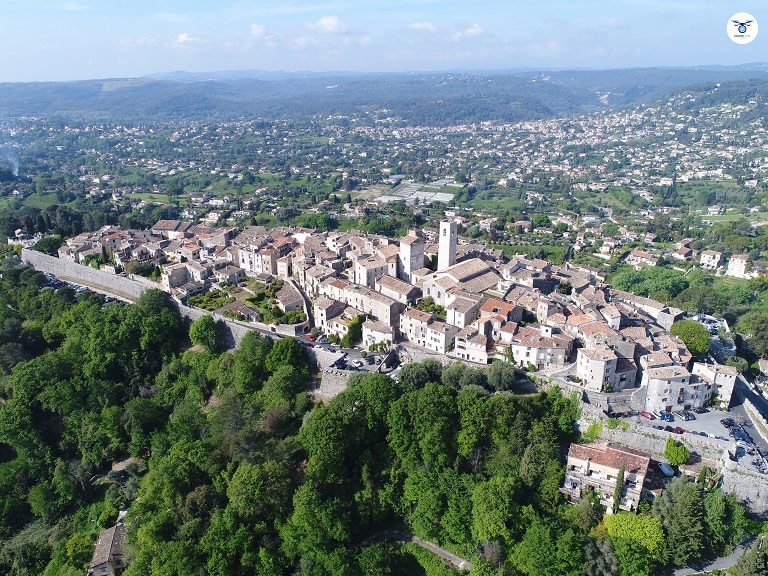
(701,410)
(728,422)
(666,469)
(658,427)
(669,428)
(647,415)
(679,430)
(689,415)
(668,417)
(310,338)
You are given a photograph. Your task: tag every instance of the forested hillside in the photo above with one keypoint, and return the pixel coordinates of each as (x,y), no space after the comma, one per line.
(426,99)
(238,472)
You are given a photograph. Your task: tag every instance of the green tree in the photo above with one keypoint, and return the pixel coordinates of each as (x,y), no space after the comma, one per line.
(694,336)
(737,362)
(354,334)
(206,332)
(681,510)
(754,562)
(676,452)
(618,490)
(501,376)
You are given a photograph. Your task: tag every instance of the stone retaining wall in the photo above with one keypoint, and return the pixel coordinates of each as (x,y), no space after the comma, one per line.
(750,487)
(118,285)
(333,382)
(133,288)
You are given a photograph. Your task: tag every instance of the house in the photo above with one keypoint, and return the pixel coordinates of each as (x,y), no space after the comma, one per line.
(598,466)
(398,289)
(375,332)
(423,329)
(711,260)
(540,347)
(109,557)
(683,253)
(737,265)
(639,259)
(674,388)
(600,366)
(368,269)
(722,378)
(464,309)
(472,344)
(289,299)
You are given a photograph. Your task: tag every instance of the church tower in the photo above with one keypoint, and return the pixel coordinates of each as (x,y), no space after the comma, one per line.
(446,251)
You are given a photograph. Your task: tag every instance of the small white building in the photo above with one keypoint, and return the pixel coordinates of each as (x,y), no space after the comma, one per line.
(423,329)
(737,266)
(375,332)
(711,259)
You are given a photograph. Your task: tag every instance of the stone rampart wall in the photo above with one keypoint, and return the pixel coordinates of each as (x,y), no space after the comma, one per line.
(97,279)
(132,288)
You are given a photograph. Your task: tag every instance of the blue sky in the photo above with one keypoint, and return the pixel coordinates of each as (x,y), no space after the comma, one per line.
(79,39)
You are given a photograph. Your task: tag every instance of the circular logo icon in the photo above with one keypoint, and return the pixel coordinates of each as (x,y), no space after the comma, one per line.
(741,28)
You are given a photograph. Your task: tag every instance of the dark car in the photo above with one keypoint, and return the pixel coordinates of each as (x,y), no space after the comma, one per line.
(658,427)
(688,415)
(669,428)
(701,410)
(728,422)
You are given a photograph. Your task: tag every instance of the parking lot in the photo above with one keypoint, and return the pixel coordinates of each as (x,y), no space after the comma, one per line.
(751,449)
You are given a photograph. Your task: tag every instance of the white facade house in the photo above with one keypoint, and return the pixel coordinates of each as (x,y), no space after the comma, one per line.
(737,266)
(423,329)
(711,260)
(722,378)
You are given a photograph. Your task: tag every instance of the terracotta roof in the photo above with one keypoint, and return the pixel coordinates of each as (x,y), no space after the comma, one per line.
(612,456)
(110,544)
(494,306)
(395,284)
(418,314)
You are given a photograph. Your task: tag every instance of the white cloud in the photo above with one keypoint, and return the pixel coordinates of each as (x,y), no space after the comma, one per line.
(365,40)
(428,26)
(257,31)
(186,39)
(303,42)
(329,25)
(471,32)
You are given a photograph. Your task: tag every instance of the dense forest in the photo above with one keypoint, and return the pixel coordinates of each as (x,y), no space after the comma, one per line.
(235,470)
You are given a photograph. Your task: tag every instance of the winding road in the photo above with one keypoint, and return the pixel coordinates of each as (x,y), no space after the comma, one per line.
(401,536)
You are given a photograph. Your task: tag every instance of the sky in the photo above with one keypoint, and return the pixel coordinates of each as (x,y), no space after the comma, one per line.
(84,39)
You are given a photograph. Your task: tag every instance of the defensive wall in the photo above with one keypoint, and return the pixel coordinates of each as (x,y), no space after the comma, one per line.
(132,288)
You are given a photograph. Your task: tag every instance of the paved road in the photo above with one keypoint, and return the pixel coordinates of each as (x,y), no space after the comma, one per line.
(718,564)
(401,536)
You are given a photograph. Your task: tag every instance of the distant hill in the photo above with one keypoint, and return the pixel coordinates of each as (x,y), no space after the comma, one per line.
(415,98)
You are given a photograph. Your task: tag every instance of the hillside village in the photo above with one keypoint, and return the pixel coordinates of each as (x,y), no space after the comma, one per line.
(437,294)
